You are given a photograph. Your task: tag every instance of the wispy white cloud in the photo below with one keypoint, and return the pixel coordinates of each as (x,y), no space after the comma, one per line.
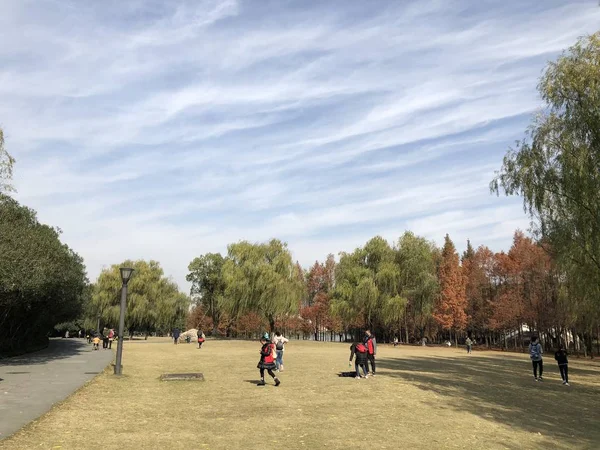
(164,130)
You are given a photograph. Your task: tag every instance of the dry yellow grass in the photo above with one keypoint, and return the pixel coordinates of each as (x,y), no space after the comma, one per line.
(421,398)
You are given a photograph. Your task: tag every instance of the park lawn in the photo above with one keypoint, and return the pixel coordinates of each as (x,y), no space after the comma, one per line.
(425,398)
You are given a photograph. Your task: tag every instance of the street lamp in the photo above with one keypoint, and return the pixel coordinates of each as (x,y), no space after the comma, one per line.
(125,276)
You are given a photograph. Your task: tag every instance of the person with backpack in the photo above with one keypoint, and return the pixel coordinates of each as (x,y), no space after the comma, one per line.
(535,353)
(563,364)
(371,345)
(360,351)
(279,342)
(201,338)
(267,360)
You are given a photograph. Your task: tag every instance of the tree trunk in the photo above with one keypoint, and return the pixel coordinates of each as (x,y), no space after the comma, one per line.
(590,344)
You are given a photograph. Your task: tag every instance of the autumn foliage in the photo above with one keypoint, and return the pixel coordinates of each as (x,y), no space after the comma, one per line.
(414,290)
(450,312)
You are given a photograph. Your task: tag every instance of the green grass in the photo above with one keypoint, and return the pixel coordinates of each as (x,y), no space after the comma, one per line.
(421,398)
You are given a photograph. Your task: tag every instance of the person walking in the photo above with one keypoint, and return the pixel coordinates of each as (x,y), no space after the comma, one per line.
(535,353)
(176,334)
(104,338)
(371,344)
(279,342)
(563,364)
(267,360)
(111,337)
(360,351)
(201,338)
(469,343)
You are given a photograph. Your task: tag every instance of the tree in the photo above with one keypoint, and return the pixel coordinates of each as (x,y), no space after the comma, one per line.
(450,309)
(6,167)
(207,283)
(261,278)
(478,267)
(197,318)
(319,284)
(367,287)
(153,301)
(42,281)
(555,169)
(416,258)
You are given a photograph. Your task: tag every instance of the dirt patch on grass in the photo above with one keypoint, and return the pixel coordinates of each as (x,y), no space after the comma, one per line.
(421,398)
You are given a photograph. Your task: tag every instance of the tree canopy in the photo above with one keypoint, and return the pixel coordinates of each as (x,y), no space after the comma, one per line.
(42,281)
(154,302)
(208,285)
(556,170)
(368,288)
(261,278)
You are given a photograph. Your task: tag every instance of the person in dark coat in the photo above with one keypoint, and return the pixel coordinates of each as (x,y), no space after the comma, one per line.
(176,334)
(267,360)
(360,351)
(563,364)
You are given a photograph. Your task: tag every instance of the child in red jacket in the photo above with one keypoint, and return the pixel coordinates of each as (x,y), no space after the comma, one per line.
(267,360)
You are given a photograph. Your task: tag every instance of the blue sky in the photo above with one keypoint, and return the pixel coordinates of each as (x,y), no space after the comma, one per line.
(168,129)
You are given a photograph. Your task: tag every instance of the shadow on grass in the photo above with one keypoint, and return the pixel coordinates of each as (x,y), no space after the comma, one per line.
(252,381)
(57,349)
(505,391)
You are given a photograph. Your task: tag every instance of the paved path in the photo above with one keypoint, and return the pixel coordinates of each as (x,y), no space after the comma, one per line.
(31,384)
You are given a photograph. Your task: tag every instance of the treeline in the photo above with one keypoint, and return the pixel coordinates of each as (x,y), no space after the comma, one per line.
(411,290)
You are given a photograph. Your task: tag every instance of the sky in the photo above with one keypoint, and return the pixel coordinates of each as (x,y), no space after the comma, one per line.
(168,129)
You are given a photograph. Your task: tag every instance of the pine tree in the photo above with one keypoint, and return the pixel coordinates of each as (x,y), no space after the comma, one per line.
(450,309)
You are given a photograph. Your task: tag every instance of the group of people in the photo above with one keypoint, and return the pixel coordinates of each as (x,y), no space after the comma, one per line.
(363,354)
(271,356)
(176,335)
(107,337)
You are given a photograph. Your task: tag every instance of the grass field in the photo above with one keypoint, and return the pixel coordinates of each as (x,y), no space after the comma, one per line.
(425,398)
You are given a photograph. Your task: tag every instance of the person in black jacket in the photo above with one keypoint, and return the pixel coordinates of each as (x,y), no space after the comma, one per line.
(563,364)
(360,351)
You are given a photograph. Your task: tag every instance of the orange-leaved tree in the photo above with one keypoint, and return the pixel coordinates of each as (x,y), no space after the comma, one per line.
(450,308)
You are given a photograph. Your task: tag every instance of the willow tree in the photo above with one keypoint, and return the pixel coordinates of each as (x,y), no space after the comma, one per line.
(556,170)
(417,260)
(6,167)
(153,301)
(261,278)
(368,287)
